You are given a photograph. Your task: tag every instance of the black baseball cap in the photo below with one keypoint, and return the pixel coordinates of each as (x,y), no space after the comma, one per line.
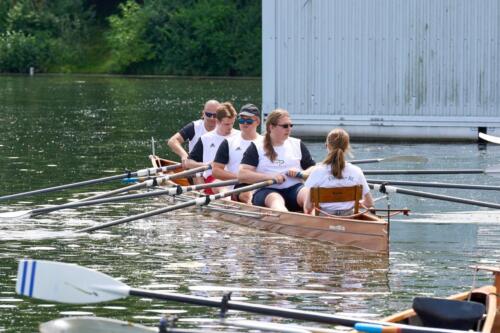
(249,110)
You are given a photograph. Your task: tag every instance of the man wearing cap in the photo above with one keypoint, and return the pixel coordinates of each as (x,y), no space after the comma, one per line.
(204,150)
(228,157)
(193,131)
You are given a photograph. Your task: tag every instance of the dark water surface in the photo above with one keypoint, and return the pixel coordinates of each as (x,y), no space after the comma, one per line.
(62,129)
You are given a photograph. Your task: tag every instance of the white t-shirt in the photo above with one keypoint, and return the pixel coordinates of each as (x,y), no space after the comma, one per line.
(352,175)
(211,142)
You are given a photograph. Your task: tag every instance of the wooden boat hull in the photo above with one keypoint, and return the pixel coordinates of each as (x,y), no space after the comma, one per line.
(486,295)
(364,231)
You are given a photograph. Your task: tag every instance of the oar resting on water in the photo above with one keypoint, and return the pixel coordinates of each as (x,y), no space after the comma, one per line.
(139,173)
(492,171)
(171,191)
(402,158)
(150,182)
(201,201)
(73,284)
(391,189)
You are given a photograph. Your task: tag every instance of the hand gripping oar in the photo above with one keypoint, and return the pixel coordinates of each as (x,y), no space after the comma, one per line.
(149,182)
(141,173)
(402,158)
(492,171)
(201,201)
(434,184)
(171,191)
(489,138)
(73,284)
(391,189)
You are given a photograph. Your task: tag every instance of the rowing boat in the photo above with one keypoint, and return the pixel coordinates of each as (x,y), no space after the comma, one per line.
(364,230)
(477,310)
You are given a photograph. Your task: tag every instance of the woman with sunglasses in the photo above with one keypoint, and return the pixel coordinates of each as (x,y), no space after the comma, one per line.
(271,159)
(334,171)
(228,157)
(193,131)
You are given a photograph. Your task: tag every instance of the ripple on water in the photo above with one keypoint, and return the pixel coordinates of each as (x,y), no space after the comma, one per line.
(76,313)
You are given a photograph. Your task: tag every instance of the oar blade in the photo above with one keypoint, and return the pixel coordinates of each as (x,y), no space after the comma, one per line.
(406,158)
(66,283)
(489,138)
(14,215)
(92,324)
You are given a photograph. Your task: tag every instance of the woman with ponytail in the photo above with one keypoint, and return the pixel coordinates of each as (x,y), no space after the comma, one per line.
(334,171)
(271,159)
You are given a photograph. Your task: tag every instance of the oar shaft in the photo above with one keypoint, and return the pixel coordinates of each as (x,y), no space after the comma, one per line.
(369,160)
(392,189)
(143,172)
(117,191)
(423,172)
(434,184)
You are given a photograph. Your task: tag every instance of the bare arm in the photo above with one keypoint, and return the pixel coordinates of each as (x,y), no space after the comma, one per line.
(248,175)
(175,143)
(219,172)
(308,206)
(367,201)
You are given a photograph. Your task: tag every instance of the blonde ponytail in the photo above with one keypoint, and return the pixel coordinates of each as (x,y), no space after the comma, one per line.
(337,142)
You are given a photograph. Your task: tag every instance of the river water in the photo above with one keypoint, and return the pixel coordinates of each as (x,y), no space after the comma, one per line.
(63,129)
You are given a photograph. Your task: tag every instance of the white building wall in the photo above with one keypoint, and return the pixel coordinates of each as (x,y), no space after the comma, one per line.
(384,68)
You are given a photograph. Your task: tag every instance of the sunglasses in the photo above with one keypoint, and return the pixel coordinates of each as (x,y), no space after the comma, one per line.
(210,115)
(248,121)
(285,125)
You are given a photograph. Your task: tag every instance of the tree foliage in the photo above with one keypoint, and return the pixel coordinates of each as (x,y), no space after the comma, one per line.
(190,37)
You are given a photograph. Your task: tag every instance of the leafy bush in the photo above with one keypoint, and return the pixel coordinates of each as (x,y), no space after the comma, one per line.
(19,52)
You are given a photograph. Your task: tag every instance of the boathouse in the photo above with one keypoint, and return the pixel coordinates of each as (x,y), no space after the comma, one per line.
(385,69)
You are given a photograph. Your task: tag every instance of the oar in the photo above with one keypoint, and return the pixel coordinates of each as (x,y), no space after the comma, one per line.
(402,158)
(489,138)
(201,201)
(391,189)
(69,283)
(149,182)
(171,191)
(492,171)
(434,184)
(141,173)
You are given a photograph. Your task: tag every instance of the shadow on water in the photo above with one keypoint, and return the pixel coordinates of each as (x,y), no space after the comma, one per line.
(63,129)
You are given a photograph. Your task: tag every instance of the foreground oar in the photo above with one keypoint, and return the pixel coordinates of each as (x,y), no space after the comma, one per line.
(434,184)
(149,182)
(489,138)
(69,283)
(140,173)
(201,201)
(171,191)
(391,189)
(402,158)
(492,171)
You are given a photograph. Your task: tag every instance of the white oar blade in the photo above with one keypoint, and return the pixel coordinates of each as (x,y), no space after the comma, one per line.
(489,138)
(14,215)
(66,283)
(92,324)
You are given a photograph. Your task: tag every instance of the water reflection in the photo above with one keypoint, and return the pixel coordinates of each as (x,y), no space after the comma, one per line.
(60,130)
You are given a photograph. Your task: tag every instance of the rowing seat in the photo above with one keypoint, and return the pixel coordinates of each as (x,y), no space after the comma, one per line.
(336,194)
(450,314)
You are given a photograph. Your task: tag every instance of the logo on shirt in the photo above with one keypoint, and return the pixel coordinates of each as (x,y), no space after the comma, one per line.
(238,148)
(212,145)
(279,162)
(348,178)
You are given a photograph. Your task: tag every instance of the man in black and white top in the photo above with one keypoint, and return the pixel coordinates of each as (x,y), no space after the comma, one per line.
(193,131)
(204,150)
(228,157)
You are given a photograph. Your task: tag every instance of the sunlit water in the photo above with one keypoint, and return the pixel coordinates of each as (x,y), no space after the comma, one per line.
(58,130)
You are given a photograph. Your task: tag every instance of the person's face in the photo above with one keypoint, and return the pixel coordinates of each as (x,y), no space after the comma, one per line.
(209,115)
(282,129)
(245,126)
(225,126)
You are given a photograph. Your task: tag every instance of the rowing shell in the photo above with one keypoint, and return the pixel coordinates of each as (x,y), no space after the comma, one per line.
(486,295)
(364,230)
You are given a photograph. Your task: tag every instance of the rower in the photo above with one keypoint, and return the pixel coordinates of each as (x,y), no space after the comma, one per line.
(228,157)
(193,131)
(204,150)
(270,159)
(335,172)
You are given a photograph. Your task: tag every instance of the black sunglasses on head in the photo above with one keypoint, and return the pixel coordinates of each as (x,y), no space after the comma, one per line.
(210,115)
(285,125)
